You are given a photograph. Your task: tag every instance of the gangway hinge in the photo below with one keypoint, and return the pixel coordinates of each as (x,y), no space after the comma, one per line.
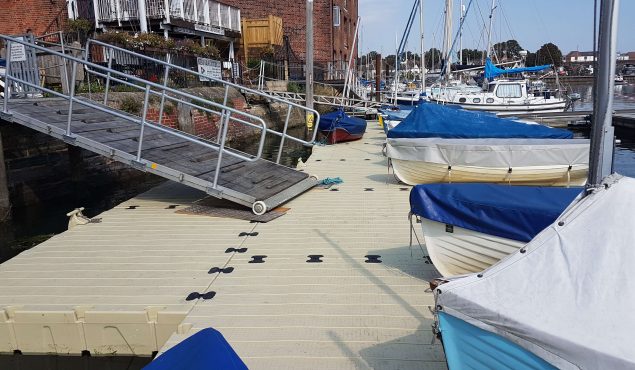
(69,139)
(139,165)
(6,116)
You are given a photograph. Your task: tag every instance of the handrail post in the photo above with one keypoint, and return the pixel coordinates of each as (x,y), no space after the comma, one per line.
(221,149)
(107,74)
(143,121)
(72,98)
(165,84)
(7,79)
(222,114)
(284,134)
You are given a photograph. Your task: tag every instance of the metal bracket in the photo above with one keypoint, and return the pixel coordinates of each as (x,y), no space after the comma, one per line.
(139,165)
(6,116)
(68,139)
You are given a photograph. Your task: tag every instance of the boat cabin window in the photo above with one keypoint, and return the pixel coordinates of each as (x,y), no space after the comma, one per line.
(491,87)
(509,91)
(476,100)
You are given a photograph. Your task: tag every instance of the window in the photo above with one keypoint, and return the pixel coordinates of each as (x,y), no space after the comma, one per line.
(462,100)
(509,91)
(336,16)
(490,100)
(476,100)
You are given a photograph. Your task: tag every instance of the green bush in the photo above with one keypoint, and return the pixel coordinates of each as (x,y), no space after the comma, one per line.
(294,87)
(131,104)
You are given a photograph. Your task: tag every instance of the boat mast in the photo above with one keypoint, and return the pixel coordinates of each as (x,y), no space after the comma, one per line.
(448,39)
(396,79)
(489,30)
(462,12)
(602,132)
(423,58)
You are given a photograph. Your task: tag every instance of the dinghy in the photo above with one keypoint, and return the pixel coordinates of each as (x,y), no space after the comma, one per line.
(338,127)
(565,300)
(469,227)
(439,144)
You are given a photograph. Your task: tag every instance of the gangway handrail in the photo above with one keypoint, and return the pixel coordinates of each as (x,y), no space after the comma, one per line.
(227,84)
(220,146)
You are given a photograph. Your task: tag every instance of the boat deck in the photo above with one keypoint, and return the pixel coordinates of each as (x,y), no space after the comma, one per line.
(121,286)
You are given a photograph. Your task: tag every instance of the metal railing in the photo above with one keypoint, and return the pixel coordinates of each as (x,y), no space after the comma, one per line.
(148,88)
(201,12)
(108,49)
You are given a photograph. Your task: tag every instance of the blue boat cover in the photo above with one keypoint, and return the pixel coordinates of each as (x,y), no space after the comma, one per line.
(338,119)
(512,212)
(469,347)
(435,120)
(492,71)
(204,350)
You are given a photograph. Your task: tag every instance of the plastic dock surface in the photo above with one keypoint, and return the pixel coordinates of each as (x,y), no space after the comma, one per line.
(121,286)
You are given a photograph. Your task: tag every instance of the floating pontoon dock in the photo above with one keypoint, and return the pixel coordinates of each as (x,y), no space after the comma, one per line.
(121,286)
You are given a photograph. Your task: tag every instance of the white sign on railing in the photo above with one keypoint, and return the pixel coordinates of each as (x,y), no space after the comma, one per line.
(18,52)
(209,67)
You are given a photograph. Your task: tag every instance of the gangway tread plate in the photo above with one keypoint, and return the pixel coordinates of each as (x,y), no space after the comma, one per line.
(168,156)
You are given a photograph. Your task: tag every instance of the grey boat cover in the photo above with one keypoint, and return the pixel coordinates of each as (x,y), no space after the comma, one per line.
(491,152)
(570,297)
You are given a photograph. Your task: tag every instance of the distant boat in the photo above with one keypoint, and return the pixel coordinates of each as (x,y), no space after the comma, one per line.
(503,95)
(574,96)
(469,227)
(619,79)
(338,127)
(391,116)
(437,144)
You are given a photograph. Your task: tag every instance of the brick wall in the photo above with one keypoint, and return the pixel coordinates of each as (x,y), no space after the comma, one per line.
(330,43)
(40,16)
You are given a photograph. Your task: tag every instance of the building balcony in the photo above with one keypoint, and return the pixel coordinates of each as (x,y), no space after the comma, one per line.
(201,15)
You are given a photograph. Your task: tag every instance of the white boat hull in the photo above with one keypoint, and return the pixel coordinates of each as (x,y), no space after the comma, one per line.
(415,172)
(550,162)
(456,251)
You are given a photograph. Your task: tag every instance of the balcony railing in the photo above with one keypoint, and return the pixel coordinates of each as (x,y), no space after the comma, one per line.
(206,14)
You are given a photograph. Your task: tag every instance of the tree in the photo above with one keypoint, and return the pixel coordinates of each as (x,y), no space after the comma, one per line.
(471,56)
(530,60)
(507,49)
(433,58)
(549,54)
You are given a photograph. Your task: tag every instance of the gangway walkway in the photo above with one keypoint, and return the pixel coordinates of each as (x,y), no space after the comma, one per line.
(350,104)
(211,166)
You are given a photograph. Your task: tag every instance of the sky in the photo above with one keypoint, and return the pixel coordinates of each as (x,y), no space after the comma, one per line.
(566,23)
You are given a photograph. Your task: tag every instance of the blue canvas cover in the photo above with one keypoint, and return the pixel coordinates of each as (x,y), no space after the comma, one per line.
(338,119)
(469,347)
(512,212)
(492,71)
(435,120)
(204,350)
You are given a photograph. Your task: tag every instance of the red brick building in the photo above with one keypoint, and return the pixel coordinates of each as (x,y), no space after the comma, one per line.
(334,23)
(39,16)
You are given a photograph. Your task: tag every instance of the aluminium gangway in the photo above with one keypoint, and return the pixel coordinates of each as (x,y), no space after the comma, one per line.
(208,165)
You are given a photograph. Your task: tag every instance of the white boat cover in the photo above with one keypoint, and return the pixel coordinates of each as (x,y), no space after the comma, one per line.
(570,297)
(491,152)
